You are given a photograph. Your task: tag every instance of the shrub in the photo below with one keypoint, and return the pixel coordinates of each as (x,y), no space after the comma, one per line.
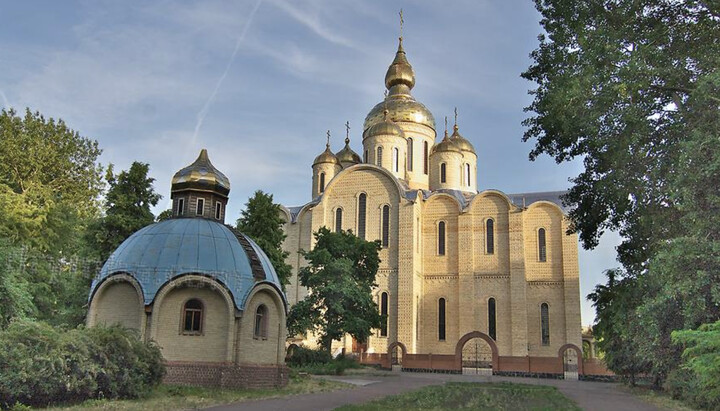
(698,378)
(302,356)
(42,365)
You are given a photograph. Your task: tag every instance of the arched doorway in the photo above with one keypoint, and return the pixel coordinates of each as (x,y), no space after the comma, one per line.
(476,353)
(571,357)
(396,352)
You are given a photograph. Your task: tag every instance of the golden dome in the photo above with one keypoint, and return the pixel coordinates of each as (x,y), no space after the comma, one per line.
(347,155)
(201,175)
(401,105)
(326,156)
(445,145)
(461,142)
(386,128)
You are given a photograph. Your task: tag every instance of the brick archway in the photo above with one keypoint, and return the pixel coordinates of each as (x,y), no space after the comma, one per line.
(578,351)
(469,336)
(397,344)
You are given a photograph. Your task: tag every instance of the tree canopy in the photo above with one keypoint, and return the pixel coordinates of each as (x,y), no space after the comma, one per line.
(341,274)
(262,222)
(633,89)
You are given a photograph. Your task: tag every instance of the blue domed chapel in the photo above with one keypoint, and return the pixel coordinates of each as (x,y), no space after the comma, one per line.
(206,293)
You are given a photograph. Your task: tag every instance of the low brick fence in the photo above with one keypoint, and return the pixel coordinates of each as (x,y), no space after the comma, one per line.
(226,375)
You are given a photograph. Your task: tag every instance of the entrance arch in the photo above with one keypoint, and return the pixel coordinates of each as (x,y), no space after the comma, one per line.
(572,367)
(395,356)
(469,336)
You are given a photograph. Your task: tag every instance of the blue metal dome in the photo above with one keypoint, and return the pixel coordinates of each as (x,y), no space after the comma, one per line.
(162,251)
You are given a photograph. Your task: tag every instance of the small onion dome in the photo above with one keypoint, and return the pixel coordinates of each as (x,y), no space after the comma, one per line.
(385,128)
(445,145)
(460,141)
(347,155)
(326,156)
(400,70)
(201,175)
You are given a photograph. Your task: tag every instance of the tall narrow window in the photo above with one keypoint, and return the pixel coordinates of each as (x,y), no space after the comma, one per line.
(490,236)
(362,203)
(467,174)
(365,158)
(492,330)
(441,319)
(192,317)
(200,206)
(180,206)
(261,321)
(441,238)
(338,220)
(379,157)
(384,313)
(410,155)
(218,210)
(443,173)
(322,182)
(425,157)
(544,324)
(542,249)
(396,159)
(385,226)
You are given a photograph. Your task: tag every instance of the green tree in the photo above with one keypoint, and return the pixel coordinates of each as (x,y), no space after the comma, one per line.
(164,215)
(15,298)
(50,182)
(262,222)
(701,360)
(128,203)
(341,274)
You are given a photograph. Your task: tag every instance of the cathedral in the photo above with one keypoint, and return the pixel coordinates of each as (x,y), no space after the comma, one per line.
(458,264)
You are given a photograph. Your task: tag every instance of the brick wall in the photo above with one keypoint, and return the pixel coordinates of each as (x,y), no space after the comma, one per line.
(226,375)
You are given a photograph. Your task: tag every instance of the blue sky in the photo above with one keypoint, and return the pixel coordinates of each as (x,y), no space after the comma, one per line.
(258,83)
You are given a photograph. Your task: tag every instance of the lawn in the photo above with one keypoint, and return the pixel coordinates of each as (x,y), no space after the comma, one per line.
(173,397)
(473,396)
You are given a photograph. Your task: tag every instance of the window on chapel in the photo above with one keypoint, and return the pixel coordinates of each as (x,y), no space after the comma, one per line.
(200,206)
(261,322)
(410,154)
(542,249)
(490,236)
(338,220)
(385,226)
(441,319)
(322,182)
(362,204)
(492,325)
(378,161)
(441,238)
(544,324)
(192,317)
(443,173)
(384,313)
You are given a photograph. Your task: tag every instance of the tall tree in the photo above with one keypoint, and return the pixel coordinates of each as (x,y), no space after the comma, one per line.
(341,274)
(262,222)
(128,203)
(50,181)
(632,87)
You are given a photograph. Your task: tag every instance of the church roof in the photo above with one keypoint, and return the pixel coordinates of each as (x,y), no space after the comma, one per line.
(162,251)
(201,175)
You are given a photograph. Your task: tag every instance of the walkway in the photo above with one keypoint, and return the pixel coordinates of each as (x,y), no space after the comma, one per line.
(590,396)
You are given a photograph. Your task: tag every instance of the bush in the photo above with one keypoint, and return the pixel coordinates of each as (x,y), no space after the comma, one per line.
(302,356)
(319,362)
(697,381)
(42,365)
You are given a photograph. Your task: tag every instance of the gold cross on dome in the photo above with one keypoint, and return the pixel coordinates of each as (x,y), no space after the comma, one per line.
(456,116)
(401,22)
(328,139)
(347,129)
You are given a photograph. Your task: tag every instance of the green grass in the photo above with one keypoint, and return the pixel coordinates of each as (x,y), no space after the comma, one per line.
(657,398)
(173,397)
(473,396)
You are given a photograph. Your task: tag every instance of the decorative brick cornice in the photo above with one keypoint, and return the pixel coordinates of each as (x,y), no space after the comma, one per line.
(441,277)
(479,276)
(546,284)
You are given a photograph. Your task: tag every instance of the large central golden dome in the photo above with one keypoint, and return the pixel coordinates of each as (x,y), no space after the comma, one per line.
(401,105)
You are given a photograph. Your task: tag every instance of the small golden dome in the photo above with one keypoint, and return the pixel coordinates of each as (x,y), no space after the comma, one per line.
(201,175)
(384,128)
(347,155)
(460,141)
(326,156)
(401,105)
(445,145)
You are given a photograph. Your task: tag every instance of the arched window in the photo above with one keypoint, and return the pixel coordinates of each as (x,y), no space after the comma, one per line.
(338,220)
(322,182)
(192,317)
(441,319)
(261,322)
(379,157)
(362,204)
(425,157)
(492,325)
(542,249)
(443,173)
(490,236)
(365,158)
(441,238)
(384,313)
(396,159)
(410,154)
(467,174)
(545,324)
(385,225)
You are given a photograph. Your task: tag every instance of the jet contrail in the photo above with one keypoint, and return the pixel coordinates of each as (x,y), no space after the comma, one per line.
(203,112)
